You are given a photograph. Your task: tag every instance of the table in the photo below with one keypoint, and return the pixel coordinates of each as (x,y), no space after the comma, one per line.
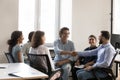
(117,61)
(23,70)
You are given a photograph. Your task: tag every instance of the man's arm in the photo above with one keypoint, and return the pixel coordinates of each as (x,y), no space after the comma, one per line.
(59,51)
(60,63)
(88,53)
(109,54)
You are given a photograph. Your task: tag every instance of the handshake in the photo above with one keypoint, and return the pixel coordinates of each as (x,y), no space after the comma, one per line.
(73,53)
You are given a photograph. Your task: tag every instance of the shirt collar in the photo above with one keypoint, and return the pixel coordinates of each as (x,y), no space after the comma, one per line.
(105,45)
(62,42)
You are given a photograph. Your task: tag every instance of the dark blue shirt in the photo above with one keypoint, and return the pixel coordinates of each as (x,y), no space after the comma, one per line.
(87,59)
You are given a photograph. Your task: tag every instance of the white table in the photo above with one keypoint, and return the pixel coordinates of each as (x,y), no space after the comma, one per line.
(24,70)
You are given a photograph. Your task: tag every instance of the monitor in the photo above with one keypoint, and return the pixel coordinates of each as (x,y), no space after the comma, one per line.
(115,40)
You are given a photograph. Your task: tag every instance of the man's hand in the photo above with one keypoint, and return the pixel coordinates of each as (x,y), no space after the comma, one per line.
(88,68)
(74,53)
(89,64)
(60,63)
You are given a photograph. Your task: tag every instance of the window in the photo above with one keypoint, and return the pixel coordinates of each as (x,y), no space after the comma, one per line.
(47,20)
(46,15)
(26,17)
(116,16)
(66,14)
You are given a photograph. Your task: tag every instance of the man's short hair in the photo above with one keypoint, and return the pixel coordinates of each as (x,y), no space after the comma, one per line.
(105,34)
(93,37)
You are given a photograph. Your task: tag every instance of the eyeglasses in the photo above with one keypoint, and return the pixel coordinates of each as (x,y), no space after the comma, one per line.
(66,33)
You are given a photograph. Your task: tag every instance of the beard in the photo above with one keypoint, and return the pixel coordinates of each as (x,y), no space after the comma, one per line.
(100,41)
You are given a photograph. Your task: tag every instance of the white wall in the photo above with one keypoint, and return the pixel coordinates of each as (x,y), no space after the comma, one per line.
(89,17)
(8,23)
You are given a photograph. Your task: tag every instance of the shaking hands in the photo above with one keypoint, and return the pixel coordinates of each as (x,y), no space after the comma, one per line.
(74,53)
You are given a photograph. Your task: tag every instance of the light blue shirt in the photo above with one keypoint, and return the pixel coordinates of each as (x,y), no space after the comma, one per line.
(15,50)
(105,54)
(59,46)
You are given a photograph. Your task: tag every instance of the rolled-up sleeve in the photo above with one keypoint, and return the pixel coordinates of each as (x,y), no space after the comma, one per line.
(72,58)
(56,48)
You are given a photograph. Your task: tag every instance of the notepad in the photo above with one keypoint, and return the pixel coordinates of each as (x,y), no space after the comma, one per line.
(80,66)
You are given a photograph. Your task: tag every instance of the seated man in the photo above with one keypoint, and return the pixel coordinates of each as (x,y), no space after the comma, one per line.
(89,60)
(86,61)
(105,53)
(63,49)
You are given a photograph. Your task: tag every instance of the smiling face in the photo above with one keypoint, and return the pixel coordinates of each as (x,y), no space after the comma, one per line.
(65,35)
(92,41)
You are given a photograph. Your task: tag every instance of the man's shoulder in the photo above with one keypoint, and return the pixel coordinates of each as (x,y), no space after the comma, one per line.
(57,41)
(110,47)
(69,41)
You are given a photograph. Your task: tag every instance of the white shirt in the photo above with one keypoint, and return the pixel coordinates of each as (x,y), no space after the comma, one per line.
(42,50)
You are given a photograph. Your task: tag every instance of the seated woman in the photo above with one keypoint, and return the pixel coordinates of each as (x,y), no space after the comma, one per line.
(26,47)
(38,47)
(86,61)
(14,46)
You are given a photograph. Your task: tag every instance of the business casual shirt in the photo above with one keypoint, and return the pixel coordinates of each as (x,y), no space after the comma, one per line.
(105,54)
(84,60)
(59,46)
(25,49)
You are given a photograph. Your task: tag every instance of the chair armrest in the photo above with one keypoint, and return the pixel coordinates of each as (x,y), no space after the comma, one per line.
(56,74)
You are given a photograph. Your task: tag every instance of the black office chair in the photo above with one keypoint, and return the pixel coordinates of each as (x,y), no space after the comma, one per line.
(41,62)
(9,57)
(108,70)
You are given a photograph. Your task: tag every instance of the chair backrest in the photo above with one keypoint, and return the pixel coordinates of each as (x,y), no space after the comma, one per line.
(108,70)
(111,64)
(9,57)
(40,62)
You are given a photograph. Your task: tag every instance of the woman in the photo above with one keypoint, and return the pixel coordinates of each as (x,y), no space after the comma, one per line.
(26,46)
(14,46)
(38,47)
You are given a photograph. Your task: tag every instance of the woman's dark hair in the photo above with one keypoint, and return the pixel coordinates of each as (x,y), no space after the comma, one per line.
(93,37)
(37,39)
(105,34)
(30,36)
(62,30)
(14,38)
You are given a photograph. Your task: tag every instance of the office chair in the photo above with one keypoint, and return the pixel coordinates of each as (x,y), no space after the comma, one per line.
(108,70)
(9,57)
(41,62)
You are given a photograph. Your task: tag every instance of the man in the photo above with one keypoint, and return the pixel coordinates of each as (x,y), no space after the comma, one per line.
(105,53)
(89,60)
(86,61)
(63,49)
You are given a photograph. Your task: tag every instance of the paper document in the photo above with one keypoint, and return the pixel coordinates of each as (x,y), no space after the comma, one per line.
(80,66)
